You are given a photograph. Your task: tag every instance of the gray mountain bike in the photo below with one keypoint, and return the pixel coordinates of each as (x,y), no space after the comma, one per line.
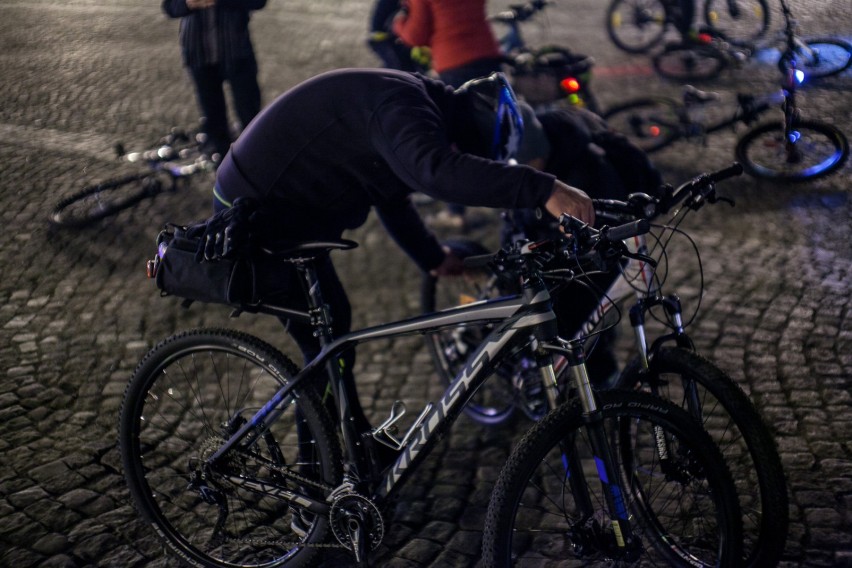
(230,456)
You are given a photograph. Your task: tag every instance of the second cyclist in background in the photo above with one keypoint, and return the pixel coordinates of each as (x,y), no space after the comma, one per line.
(463,47)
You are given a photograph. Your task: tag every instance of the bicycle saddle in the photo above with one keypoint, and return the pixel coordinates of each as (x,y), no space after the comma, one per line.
(307,250)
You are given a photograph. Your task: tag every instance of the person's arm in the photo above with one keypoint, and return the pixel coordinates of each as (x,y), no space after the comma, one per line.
(407,229)
(408,131)
(414,24)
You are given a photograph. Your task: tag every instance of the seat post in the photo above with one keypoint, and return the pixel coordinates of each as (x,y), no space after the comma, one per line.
(317,308)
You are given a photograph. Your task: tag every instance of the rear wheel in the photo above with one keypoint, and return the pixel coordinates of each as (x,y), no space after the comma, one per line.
(494,402)
(650,123)
(740,22)
(186,397)
(812,150)
(636,26)
(95,202)
(689,62)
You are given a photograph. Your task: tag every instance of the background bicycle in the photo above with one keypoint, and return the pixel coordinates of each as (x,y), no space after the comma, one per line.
(666,363)
(165,167)
(707,54)
(789,148)
(545,76)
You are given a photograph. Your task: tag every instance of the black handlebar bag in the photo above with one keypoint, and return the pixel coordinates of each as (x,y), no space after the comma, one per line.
(177,271)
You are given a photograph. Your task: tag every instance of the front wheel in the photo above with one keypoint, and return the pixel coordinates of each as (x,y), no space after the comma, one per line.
(810,150)
(101,200)
(747,446)
(650,123)
(187,396)
(689,62)
(548,506)
(822,57)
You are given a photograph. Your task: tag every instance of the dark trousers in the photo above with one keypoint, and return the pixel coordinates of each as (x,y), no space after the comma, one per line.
(280,282)
(210,91)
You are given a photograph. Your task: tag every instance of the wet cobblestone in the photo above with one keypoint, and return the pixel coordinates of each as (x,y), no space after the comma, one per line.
(77,313)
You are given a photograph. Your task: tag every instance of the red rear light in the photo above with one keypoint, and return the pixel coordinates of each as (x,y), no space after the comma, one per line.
(570,85)
(705,38)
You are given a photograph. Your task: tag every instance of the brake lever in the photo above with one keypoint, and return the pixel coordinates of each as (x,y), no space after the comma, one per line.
(641,258)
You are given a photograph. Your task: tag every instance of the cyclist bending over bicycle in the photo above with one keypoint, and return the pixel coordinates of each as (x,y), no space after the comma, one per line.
(317,159)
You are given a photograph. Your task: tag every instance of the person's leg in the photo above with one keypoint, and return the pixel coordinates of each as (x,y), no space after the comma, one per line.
(210,92)
(289,282)
(246,91)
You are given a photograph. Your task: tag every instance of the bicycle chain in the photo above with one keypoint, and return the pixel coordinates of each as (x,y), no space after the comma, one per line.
(293,476)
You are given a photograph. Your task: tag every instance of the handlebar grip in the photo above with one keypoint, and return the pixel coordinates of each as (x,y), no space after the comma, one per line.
(733,171)
(628,230)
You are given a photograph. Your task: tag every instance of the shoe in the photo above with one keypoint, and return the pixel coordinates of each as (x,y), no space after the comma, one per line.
(446,220)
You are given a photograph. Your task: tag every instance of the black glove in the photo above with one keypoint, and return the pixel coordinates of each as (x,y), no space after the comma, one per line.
(227,233)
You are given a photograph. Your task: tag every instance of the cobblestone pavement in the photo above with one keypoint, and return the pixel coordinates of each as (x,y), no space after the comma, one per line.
(76,312)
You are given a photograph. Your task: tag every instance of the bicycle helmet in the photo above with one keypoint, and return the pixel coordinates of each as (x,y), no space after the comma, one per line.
(495,116)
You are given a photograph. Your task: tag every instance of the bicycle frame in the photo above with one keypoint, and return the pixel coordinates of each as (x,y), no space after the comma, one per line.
(520,319)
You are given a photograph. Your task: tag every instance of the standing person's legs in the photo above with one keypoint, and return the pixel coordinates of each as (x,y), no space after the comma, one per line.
(246,91)
(210,92)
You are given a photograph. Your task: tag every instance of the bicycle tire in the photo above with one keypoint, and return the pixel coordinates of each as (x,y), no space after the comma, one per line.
(820,150)
(746,443)
(650,123)
(177,406)
(689,62)
(494,401)
(101,200)
(824,57)
(740,22)
(521,499)
(635,26)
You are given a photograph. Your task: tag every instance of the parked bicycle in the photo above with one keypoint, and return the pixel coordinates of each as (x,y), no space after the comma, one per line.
(168,165)
(667,366)
(705,55)
(636,26)
(230,456)
(789,149)
(548,76)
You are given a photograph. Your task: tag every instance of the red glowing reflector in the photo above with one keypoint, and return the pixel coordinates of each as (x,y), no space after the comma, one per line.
(570,85)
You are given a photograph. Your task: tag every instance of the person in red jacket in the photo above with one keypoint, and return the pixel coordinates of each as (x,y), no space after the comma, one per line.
(463,48)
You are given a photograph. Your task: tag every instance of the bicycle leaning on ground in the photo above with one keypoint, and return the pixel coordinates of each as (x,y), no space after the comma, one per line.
(168,165)
(704,55)
(229,454)
(788,149)
(667,366)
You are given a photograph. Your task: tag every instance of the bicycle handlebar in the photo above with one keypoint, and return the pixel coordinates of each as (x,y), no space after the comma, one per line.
(643,206)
